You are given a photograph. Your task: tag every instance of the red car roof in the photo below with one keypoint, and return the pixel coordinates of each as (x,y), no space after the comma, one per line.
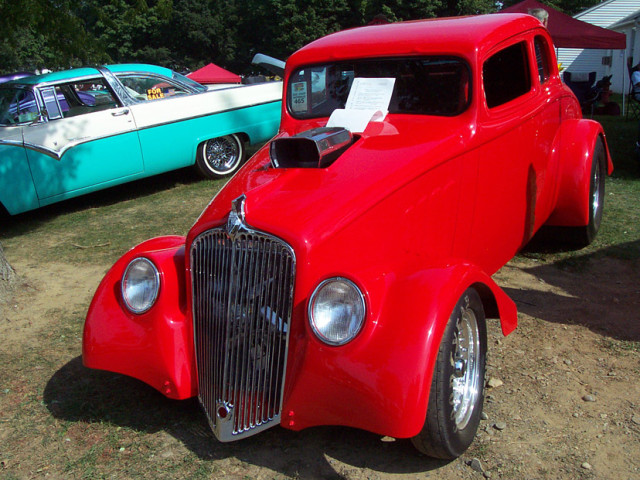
(456,35)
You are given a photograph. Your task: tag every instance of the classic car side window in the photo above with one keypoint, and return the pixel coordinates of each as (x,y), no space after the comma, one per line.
(423,86)
(17,105)
(542,58)
(506,75)
(51,102)
(147,87)
(85,97)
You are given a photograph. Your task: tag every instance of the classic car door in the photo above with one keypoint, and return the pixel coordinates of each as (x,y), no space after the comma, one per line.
(89,141)
(518,130)
(161,111)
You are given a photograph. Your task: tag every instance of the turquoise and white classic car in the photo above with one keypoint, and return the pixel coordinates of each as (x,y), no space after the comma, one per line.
(68,133)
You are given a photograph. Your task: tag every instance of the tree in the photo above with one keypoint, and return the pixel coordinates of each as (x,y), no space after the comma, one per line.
(42,34)
(7,276)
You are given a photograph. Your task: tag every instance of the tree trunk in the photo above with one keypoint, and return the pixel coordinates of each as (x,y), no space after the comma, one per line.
(7,276)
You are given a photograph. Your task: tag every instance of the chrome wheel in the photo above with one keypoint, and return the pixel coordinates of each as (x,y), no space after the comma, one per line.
(466,377)
(595,200)
(457,385)
(220,156)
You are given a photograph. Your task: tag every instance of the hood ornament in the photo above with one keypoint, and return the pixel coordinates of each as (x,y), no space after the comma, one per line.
(236,221)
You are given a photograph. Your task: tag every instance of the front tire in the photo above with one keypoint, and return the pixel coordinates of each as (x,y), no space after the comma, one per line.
(457,386)
(220,156)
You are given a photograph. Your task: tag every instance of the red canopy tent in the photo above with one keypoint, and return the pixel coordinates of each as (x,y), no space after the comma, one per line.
(214,74)
(568,32)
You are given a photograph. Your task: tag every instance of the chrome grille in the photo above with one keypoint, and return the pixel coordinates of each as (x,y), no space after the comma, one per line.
(242,300)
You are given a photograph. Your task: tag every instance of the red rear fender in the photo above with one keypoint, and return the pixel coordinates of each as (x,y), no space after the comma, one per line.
(573,151)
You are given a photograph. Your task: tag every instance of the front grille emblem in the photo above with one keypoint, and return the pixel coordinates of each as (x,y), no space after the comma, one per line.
(236,217)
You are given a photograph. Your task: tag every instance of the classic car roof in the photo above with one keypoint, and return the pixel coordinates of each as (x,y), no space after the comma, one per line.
(65,75)
(456,35)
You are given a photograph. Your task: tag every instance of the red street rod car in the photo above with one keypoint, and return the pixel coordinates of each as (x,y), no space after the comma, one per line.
(343,276)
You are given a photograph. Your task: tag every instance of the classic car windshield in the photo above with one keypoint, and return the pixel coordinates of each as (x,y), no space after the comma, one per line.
(187,81)
(424,86)
(17,105)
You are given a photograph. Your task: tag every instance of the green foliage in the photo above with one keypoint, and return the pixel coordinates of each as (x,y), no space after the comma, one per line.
(187,34)
(43,33)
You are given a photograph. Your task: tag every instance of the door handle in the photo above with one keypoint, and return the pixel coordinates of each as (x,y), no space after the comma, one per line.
(120,112)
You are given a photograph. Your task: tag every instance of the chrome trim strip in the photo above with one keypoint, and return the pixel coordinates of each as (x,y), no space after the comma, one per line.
(208,114)
(13,143)
(242,303)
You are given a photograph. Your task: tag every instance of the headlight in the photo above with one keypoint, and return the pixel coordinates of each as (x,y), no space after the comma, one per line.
(140,285)
(336,311)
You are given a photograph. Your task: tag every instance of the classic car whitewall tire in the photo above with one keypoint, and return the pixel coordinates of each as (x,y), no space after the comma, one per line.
(583,236)
(220,156)
(457,386)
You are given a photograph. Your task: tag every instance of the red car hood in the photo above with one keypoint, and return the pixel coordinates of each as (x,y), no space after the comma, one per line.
(305,204)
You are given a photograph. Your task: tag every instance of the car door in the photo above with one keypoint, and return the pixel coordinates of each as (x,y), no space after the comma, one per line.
(89,141)
(516,127)
(164,111)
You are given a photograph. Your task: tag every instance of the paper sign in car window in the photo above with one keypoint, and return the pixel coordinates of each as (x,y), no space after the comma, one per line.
(370,94)
(299,97)
(154,94)
(368,101)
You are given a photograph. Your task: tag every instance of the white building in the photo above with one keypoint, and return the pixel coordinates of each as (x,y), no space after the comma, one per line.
(618,15)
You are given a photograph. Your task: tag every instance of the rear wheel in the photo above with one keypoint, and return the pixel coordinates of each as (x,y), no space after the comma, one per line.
(457,386)
(582,236)
(220,156)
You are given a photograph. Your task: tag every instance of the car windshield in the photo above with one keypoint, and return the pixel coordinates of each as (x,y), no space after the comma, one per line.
(423,85)
(186,80)
(17,105)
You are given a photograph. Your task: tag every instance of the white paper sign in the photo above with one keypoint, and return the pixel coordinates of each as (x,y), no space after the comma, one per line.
(354,120)
(368,101)
(370,94)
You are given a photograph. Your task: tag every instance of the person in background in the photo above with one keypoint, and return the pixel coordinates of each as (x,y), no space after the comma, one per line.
(541,14)
(635,91)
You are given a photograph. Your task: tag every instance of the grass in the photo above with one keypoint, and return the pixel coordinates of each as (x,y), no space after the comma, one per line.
(63,420)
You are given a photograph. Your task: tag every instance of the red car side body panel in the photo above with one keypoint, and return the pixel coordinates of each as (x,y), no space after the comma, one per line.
(416,211)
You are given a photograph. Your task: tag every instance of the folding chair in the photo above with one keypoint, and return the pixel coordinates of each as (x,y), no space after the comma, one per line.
(582,85)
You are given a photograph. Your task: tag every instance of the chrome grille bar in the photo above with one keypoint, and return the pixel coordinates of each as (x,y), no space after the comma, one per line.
(242,283)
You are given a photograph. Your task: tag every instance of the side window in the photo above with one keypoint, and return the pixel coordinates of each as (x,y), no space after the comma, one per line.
(542,58)
(506,75)
(17,106)
(51,102)
(144,88)
(85,97)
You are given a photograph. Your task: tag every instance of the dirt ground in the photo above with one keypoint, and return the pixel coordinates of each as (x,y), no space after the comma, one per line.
(563,400)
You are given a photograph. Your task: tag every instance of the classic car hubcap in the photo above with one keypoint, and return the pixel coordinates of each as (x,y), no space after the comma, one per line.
(222,153)
(465,379)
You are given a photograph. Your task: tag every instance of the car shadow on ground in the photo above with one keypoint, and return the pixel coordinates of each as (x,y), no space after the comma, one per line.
(110,196)
(599,290)
(78,394)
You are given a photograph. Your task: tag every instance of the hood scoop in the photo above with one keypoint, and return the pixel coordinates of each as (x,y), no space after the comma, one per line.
(316,148)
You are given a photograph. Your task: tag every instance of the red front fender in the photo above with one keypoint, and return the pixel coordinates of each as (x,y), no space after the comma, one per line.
(155,347)
(380,381)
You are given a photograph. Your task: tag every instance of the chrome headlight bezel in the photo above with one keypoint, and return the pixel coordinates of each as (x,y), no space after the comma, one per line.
(150,275)
(346,320)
